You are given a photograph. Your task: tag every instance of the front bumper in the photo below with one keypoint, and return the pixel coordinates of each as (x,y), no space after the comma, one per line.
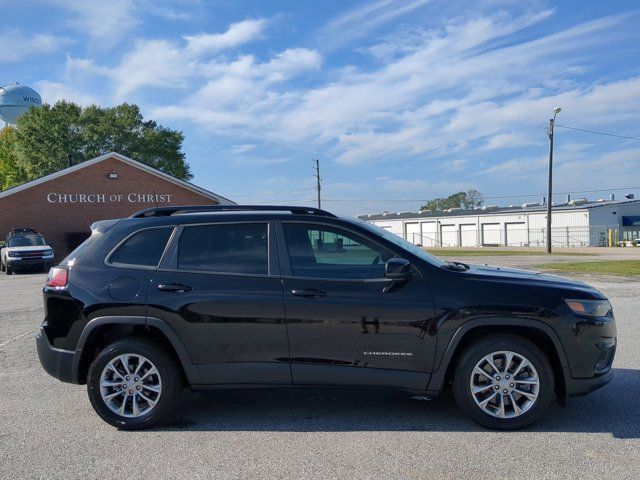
(56,362)
(582,386)
(18,262)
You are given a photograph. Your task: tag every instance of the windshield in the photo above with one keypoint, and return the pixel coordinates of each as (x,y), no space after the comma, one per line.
(402,243)
(26,241)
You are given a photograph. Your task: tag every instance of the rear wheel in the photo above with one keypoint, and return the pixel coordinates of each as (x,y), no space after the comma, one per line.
(132,384)
(504,382)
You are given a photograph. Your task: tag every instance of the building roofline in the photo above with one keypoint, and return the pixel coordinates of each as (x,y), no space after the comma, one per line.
(154,171)
(494,211)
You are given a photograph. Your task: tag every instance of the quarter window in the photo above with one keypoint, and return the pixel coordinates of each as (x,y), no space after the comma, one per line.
(226,248)
(143,248)
(327,252)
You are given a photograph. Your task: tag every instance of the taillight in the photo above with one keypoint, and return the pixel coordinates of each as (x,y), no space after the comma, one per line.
(58,277)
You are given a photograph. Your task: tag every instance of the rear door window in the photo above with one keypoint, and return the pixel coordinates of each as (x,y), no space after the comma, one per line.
(143,248)
(225,248)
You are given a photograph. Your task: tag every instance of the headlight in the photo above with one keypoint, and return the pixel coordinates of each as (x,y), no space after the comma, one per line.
(13,254)
(46,253)
(590,308)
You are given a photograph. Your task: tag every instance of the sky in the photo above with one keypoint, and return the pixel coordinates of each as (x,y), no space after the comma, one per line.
(401,101)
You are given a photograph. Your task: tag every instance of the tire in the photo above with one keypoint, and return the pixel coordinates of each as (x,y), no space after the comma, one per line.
(168,379)
(499,412)
(7,270)
(1,266)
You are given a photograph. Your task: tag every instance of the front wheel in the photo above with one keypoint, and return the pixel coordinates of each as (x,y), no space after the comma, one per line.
(132,384)
(504,382)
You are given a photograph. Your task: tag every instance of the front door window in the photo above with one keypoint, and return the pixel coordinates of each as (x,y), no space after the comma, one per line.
(327,252)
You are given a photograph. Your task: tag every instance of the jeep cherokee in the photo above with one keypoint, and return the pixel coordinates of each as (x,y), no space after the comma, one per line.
(244,296)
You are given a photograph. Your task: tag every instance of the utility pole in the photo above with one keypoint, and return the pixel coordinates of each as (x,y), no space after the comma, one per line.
(317,175)
(552,121)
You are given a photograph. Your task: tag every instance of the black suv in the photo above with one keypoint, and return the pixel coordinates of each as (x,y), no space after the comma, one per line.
(242,296)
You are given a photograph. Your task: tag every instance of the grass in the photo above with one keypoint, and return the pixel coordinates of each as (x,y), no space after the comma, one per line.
(441,252)
(608,267)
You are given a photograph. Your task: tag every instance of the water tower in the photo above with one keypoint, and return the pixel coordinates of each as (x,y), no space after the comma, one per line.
(15,99)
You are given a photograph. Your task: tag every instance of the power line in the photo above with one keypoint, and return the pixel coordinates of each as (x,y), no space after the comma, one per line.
(277,193)
(598,133)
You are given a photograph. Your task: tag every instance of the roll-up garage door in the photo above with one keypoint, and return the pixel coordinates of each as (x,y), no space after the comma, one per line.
(491,234)
(468,237)
(449,235)
(412,232)
(429,234)
(516,233)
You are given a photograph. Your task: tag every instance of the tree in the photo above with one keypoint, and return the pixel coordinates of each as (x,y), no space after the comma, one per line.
(10,172)
(472,199)
(468,200)
(46,137)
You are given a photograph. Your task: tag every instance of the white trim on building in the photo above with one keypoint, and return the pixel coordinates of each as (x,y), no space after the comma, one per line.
(122,158)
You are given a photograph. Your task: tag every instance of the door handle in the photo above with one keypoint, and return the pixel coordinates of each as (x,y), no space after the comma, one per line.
(308,293)
(174,287)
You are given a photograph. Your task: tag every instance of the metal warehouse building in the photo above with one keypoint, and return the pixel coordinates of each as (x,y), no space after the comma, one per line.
(577,223)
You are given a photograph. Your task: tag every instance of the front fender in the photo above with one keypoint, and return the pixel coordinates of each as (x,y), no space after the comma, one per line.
(438,377)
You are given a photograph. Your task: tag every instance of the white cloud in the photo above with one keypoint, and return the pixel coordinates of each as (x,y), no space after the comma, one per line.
(52,92)
(360,21)
(167,64)
(452,91)
(237,34)
(406,185)
(104,22)
(16,46)
(574,169)
(508,140)
(452,95)
(154,63)
(258,161)
(243,148)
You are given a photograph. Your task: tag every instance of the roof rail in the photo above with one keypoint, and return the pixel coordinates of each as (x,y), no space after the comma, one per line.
(181,209)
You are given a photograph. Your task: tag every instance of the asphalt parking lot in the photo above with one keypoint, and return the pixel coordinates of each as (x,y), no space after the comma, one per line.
(49,430)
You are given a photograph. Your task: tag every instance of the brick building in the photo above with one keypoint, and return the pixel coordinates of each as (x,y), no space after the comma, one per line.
(63,205)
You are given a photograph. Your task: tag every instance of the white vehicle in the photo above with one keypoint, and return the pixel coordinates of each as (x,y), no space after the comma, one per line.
(25,249)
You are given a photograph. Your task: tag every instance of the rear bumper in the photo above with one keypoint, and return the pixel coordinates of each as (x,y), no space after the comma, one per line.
(56,362)
(582,386)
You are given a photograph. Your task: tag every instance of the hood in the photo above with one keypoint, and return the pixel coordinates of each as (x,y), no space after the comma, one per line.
(530,277)
(36,248)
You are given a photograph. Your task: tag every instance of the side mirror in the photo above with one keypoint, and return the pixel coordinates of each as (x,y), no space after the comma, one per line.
(397,269)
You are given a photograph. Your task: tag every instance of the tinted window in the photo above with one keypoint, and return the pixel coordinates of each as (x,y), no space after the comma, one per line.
(327,252)
(401,242)
(143,248)
(26,241)
(230,248)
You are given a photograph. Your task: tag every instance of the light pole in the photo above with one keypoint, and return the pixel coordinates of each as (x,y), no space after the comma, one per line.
(556,111)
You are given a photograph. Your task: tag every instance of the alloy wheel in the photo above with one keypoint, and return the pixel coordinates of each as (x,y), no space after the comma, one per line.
(504,384)
(130,385)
